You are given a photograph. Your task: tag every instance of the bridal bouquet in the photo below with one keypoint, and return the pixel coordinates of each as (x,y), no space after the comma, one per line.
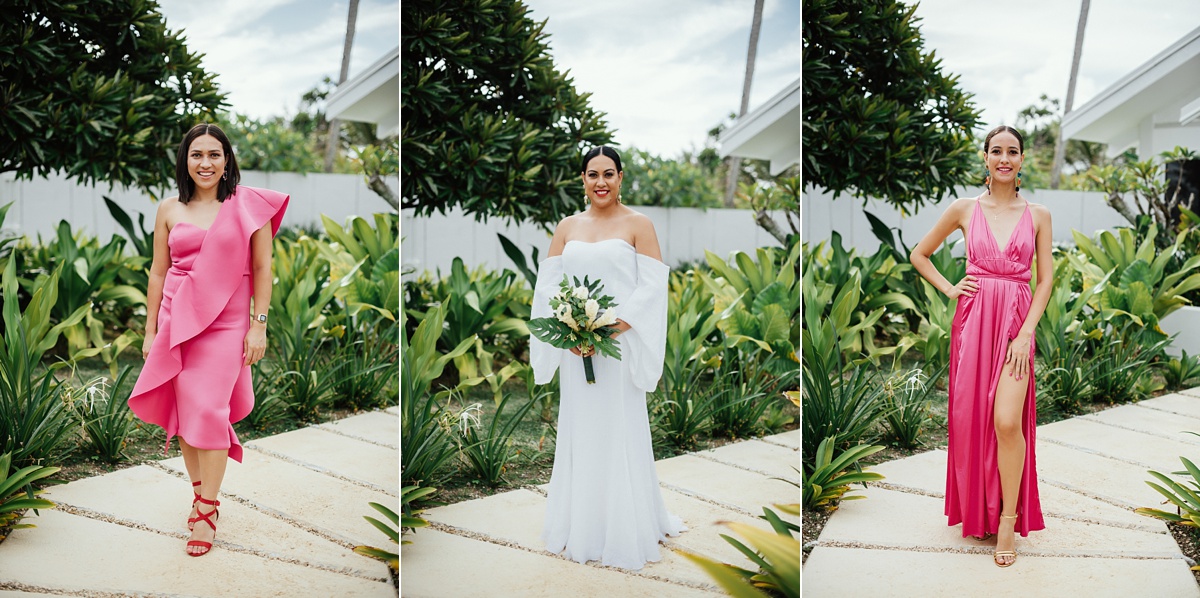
(582,317)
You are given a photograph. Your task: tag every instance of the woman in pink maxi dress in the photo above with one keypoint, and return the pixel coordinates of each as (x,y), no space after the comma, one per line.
(212,255)
(991,477)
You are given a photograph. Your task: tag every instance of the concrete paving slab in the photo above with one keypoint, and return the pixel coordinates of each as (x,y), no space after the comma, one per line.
(918,521)
(1175,403)
(1150,450)
(393,410)
(832,571)
(704,527)
(791,439)
(926,472)
(439,564)
(16,594)
(750,491)
(1191,392)
(1098,476)
(758,456)
(316,500)
(106,557)
(522,523)
(1152,421)
(162,503)
(365,462)
(922,471)
(524,520)
(381,428)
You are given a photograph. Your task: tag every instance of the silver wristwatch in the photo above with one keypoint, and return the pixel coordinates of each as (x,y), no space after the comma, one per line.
(261,318)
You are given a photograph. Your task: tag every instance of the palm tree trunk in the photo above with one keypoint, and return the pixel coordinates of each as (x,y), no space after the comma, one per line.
(735,163)
(1059,142)
(332,140)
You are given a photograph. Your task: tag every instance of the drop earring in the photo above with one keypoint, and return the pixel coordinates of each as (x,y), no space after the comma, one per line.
(1018,181)
(987,180)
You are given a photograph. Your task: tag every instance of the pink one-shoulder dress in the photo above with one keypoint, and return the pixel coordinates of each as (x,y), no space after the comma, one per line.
(983,326)
(194,384)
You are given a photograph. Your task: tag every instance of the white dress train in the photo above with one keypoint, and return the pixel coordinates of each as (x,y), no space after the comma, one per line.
(604,500)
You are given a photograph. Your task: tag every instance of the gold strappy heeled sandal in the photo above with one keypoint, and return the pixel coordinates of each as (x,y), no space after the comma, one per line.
(1012,553)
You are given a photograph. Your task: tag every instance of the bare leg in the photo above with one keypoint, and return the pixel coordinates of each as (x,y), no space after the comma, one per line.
(191,462)
(1010,440)
(212,471)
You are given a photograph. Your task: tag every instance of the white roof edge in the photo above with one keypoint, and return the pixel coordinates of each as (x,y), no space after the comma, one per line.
(1082,116)
(346,92)
(743,127)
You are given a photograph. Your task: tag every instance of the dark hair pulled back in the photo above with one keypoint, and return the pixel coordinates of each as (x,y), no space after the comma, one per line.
(598,150)
(987,142)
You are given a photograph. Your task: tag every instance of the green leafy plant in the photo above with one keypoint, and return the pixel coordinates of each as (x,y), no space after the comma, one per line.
(848,407)
(142,239)
(1124,356)
(1185,499)
(527,268)
(391,558)
(17,493)
(426,445)
(269,407)
(35,423)
(104,412)
(776,553)
(488,454)
(366,363)
(827,480)
(1182,371)
(906,405)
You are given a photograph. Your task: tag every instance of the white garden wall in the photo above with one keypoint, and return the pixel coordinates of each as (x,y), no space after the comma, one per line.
(1084,211)
(42,203)
(432,243)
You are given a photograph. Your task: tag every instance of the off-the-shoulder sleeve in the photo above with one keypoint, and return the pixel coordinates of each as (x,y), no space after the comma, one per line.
(644,344)
(545,358)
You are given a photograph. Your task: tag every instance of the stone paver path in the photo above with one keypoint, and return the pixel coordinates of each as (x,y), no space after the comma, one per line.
(291,514)
(491,546)
(1092,474)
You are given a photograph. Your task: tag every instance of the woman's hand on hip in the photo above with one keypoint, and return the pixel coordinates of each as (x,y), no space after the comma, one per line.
(1017,358)
(967,286)
(255,344)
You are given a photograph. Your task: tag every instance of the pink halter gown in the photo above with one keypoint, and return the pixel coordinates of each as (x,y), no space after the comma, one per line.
(983,325)
(194,384)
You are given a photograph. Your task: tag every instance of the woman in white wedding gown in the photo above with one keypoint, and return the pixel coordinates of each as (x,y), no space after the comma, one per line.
(604,501)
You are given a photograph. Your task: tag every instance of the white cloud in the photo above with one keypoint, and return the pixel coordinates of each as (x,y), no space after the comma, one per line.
(273,51)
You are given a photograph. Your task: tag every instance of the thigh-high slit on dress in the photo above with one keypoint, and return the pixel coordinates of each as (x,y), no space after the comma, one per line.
(983,326)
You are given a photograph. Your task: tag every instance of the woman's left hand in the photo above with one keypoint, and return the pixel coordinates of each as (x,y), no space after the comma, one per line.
(255,344)
(1018,356)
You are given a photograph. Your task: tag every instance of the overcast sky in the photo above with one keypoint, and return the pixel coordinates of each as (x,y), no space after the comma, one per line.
(1010,53)
(664,71)
(667,71)
(267,53)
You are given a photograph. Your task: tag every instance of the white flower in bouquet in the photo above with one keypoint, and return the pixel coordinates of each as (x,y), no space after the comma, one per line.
(590,308)
(608,318)
(564,316)
(580,292)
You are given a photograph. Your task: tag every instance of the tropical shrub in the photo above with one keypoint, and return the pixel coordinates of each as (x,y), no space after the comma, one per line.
(825,479)
(391,558)
(35,423)
(426,443)
(17,493)
(906,405)
(846,407)
(488,453)
(777,555)
(1186,499)
(1182,372)
(104,412)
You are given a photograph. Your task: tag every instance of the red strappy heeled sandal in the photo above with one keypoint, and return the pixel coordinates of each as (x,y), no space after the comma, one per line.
(205,517)
(195,497)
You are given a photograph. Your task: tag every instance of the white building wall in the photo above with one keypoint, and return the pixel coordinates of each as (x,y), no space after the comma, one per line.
(40,204)
(431,243)
(1084,211)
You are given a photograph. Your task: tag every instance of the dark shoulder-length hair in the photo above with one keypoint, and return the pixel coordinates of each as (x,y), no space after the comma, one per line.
(229,178)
